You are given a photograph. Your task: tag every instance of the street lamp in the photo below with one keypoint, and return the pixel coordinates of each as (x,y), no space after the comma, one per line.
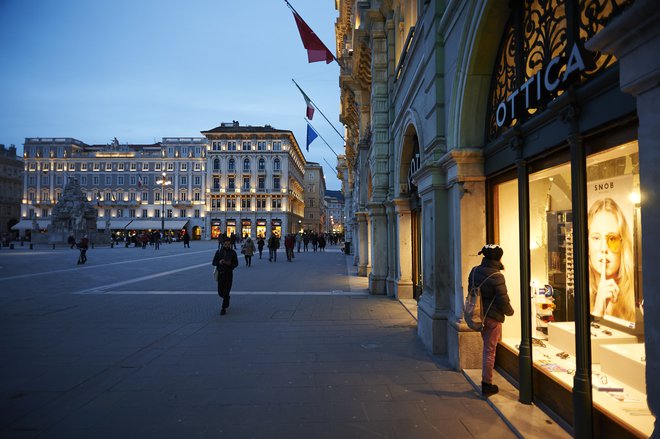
(163,182)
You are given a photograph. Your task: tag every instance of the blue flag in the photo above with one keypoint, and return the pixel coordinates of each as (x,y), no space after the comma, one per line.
(311,135)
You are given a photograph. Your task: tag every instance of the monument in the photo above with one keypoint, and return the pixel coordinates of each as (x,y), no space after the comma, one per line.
(73,215)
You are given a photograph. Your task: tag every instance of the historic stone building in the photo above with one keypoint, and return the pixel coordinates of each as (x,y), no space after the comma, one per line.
(134,187)
(315,205)
(11,189)
(334,218)
(255,180)
(240,179)
(519,123)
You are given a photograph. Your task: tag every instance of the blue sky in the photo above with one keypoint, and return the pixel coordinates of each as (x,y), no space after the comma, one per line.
(140,70)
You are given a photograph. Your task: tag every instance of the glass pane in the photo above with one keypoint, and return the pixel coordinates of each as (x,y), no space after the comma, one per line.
(506,235)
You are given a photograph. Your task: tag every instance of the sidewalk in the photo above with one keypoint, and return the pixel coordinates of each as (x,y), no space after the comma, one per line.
(154,359)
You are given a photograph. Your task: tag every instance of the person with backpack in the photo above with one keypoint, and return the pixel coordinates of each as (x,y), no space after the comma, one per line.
(495,303)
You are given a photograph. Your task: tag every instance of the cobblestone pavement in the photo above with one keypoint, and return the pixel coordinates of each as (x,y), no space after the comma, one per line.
(131,345)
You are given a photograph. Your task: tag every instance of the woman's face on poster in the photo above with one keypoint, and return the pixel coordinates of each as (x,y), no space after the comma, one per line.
(605,244)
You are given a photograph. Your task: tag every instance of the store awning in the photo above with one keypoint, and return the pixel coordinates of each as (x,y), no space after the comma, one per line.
(115,224)
(170,224)
(26,224)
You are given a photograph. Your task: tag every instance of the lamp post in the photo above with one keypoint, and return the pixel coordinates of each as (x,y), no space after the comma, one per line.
(163,182)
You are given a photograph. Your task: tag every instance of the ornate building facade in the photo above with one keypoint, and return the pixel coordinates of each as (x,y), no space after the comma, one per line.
(134,187)
(514,122)
(255,180)
(239,179)
(11,189)
(315,205)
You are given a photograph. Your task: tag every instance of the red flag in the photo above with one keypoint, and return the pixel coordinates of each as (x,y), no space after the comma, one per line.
(316,50)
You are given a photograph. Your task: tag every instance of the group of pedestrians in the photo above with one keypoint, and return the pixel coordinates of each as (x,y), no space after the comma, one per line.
(318,241)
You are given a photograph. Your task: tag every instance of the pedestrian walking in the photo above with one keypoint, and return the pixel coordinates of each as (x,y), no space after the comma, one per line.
(156,238)
(493,290)
(83,245)
(315,241)
(289,242)
(72,241)
(248,250)
(186,240)
(225,260)
(299,240)
(273,245)
(306,242)
(260,245)
(322,242)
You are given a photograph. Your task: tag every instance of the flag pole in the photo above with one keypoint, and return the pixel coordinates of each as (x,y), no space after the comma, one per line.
(329,164)
(321,137)
(315,106)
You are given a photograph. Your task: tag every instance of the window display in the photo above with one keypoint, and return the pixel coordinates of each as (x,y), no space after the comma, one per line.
(614,242)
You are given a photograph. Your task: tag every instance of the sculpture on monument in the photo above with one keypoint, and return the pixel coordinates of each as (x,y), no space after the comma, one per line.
(74,216)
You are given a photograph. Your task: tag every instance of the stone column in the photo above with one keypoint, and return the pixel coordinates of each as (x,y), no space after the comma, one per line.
(393,237)
(362,249)
(634,38)
(379,155)
(379,248)
(467,227)
(433,311)
(403,257)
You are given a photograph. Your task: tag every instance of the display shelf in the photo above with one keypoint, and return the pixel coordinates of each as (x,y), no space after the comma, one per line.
(562,336)
(624,363)
(627,407)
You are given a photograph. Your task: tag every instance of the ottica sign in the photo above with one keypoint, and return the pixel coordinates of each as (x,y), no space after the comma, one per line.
(545,80)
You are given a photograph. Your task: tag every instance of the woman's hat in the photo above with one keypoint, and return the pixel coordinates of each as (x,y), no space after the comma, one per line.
(492,251)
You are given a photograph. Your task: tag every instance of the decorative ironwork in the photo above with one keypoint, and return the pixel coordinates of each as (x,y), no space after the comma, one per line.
(545,27)
(594,15)
(504,77)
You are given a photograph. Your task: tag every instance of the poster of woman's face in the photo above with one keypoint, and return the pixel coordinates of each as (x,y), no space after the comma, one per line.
(611,256)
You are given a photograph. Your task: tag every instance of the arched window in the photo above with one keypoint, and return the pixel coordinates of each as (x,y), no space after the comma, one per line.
(277,165)
(232,165)
(262,164)
(216,164)
(525,69)
(246,164)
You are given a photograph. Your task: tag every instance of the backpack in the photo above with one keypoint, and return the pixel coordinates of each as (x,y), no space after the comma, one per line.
(473,308)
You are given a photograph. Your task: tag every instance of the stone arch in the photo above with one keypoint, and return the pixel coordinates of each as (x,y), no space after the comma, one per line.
(468,102)
(410,137)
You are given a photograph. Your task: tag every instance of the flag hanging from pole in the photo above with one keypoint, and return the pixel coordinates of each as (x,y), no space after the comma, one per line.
(316,50)
(139,182)
(308,101)
(311,135)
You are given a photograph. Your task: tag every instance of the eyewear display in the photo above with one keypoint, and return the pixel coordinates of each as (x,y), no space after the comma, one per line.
(537,342)
(563,355)
(546,305)
(612,240)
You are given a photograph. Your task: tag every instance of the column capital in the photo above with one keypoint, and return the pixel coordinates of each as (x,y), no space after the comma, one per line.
(401,205)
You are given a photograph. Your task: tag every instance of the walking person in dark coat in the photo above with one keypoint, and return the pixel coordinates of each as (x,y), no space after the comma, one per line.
(493,290)
(83,245)
(260,245)
(186,240)
(225,260)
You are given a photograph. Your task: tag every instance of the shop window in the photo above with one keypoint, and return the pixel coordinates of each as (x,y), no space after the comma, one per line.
(614,235)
